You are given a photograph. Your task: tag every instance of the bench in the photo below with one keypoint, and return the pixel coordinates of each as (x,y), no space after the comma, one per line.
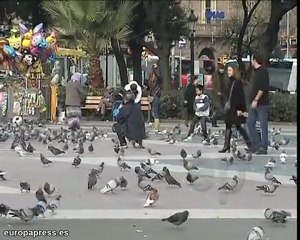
(92,102)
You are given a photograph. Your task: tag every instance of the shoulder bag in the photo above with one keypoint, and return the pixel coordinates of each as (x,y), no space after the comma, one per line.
(228,102)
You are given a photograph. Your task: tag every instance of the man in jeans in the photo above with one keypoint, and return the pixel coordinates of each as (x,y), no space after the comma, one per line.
(258,111)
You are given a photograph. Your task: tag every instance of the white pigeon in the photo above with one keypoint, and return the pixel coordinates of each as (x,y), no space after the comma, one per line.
(110,186)
(152,198)
(151,161)
(20,151)
(256,233)
(54,204)
(271,163)
(283,157)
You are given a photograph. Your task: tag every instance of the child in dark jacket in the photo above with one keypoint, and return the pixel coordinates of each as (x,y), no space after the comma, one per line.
(202,108)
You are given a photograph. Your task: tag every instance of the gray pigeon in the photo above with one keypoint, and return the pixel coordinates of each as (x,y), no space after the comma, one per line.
(80,149)
(152,152)
(228,160)
(183,153)
(169,179)
(190,178)
(143,185)
(147,168)
(256,233)
(91,148)
(39,194)
(2,174)
(44,160)
(54,204)
(55,150)
(294,178)
(92,180)
(188,165)
(123,182)
(4,209)
(267,188)
(49,188)
(141,172)
(65,147)
(276,216)
(159,176)
(122,165)
(230,185)
(25,215)
(76,161)
(270,177)
(30,148)
(177,218)
(25,186)
(100,169)
(198,154)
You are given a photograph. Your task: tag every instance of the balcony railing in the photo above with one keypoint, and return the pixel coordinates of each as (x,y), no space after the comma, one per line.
(207,30)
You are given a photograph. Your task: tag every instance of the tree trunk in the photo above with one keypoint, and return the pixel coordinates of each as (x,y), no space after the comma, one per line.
(164,68)
(270,37)
(136,50)
(120,61)
(95,71)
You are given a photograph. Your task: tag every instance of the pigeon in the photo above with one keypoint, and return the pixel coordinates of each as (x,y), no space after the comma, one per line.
(66,147)
(39,194)
(151,161)
(80,149)
(294,178)
(20,151)
(49,188)
(214,141)
(54,204)
(123,182)
(270,177)
(143,185)
(169,179)
(197,155)
(159,176)
(190,178)
(228,160)
(274,144)
(141,172)
(92,180)
(117,148)
(276,216)
(76,161)
(25,186)
(115,141)
(122,165)
(271,163)
(91,148)
(152,198)
(30,148)
(283,156)
(183,153)
(177,218)
(248,157)
(230,185)
(55,150)
(152,152)
(188,165)
(111,186)
(44,160)
(256,233)
(4,209)
(25,215)
(267,188)
(284,141)
(100,169)
(40,208)
(2,173)
(147,169)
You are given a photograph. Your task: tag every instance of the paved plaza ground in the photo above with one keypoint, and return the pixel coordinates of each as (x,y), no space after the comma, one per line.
(88,214)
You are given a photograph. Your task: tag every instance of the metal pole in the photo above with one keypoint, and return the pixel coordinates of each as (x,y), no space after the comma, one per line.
(106,65)
(192,53)
(180,68)
(288,35)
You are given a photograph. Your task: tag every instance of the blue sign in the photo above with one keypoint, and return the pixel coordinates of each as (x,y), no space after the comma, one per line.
(217,15)
(182,43)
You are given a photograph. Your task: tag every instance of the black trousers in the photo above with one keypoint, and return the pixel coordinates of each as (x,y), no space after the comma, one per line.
(203,121)
(117,127)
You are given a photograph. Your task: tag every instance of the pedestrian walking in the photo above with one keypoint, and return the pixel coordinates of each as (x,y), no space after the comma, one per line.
(74,94)
(235,107)
(202,109)
(189,98)
(258,110)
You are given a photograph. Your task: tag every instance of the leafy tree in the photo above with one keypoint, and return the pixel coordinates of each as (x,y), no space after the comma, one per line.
(168,23)
(90,25)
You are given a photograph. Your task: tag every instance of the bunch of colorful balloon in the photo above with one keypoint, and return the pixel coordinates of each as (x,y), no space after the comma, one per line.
(25,54)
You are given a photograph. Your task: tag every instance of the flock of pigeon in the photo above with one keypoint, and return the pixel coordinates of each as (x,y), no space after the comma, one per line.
(48,197)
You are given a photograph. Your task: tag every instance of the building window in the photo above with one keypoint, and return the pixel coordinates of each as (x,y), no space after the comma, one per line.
(207,9)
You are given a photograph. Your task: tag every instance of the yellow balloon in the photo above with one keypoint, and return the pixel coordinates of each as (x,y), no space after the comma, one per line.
(26,39)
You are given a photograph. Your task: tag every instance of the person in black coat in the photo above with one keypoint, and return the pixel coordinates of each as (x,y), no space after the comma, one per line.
(130,122)
(237,112)
(189,97)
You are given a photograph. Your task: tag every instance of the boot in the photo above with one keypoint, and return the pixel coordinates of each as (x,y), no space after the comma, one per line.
(226,147)
(156,124)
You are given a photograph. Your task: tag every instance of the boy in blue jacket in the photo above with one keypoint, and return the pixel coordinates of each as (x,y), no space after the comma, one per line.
(202,109)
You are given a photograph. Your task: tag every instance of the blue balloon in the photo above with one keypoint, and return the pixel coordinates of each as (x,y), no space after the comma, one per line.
(52,57)
(43,43)
(11,52)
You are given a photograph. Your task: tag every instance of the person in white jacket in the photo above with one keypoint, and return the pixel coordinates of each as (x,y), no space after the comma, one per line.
(134,87)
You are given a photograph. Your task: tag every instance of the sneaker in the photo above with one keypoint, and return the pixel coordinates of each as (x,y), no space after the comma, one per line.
(205,142)
(187,139)
(261,151)
(141,147)
(123,145)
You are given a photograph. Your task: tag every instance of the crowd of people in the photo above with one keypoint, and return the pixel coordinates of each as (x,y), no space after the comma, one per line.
(130,121)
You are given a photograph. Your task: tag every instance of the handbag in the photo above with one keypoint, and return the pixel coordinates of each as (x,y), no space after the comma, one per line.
(227,105)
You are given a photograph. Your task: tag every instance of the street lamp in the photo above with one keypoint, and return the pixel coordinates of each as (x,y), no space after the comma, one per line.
(192,19)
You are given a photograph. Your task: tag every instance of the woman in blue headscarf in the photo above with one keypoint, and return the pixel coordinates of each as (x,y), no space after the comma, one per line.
(74,94)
